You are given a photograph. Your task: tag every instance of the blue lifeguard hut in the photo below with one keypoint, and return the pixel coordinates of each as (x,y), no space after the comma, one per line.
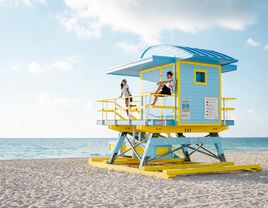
(147,133)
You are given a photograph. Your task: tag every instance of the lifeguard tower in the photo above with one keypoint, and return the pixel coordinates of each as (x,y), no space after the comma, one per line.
(152,138)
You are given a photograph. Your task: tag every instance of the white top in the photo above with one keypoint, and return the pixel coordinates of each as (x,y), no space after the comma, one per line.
(171,85)
(124,90)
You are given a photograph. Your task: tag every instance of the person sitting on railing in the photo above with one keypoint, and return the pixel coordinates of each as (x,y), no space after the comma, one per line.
(126,93)
(166,87)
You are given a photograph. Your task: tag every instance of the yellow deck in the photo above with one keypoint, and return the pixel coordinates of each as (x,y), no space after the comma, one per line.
(170,168)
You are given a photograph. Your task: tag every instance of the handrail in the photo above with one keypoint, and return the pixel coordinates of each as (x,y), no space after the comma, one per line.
(228,98)
(114,106)
(136,107)
(225,108)
(111,100)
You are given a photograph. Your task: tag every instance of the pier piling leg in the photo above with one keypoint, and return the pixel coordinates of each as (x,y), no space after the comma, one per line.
(133,140)
(184,149)
(185,153)
(220,152)
(117,147)
(146,154)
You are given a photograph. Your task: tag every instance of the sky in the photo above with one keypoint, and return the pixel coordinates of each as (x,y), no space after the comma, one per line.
(53,56)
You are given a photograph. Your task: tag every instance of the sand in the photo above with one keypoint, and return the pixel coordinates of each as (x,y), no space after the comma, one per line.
(73,183)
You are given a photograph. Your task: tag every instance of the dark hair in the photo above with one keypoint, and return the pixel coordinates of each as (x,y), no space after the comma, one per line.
(121,85)
(170,73)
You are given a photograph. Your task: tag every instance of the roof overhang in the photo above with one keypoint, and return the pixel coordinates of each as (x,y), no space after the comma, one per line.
(134,68)
(163,54)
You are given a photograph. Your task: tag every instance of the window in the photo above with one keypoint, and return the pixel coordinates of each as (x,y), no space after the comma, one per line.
(200,77)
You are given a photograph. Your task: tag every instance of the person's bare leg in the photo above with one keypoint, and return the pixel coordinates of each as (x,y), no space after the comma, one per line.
(155,100)
(130,101)
(126,102)
(160,86)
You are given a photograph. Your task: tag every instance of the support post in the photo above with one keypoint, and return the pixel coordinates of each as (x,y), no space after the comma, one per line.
(117,147)
(220,152)
(146,155)
(185,152)
(133,140)
(184,148)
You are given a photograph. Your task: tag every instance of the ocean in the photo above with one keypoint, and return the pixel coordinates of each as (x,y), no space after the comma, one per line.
(34,148)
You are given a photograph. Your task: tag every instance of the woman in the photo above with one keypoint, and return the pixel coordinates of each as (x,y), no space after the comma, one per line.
(126,93)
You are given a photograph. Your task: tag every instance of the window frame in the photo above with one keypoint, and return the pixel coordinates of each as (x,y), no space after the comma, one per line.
(202,71)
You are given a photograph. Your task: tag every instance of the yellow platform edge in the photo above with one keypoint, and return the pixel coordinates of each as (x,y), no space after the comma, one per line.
(170,168)
(128,169)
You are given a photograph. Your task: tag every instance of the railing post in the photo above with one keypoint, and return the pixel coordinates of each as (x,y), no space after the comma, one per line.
(102,120)
(106,113)
(165,109)
(128,110)
(115,111)
(223,111)
(175,111)
(141,107)
(226,112)
(148,109)
(133,140)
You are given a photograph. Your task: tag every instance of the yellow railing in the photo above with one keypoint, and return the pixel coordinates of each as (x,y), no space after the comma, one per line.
(225,109)
(116,108)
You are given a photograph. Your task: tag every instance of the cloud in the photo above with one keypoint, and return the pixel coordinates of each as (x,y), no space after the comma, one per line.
(35,68)
(250,111)
(28,3)
(148,19)
(252,42)
(63,65)
(47,99)
(131,47)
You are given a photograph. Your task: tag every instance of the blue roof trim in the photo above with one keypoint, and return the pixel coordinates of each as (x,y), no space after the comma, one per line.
(228,68)
(209,60)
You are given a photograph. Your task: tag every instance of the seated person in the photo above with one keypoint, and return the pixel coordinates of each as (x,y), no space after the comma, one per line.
(166,87)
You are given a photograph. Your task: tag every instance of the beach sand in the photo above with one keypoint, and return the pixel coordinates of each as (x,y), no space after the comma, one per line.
(73,183)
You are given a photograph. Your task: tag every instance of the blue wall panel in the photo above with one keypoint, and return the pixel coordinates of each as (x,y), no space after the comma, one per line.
(196,93)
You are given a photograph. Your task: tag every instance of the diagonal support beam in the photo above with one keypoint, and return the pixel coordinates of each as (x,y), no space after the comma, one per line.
(200,151)
(122,153)
(203,148)
(133,148)
(198,147)
(117,147)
